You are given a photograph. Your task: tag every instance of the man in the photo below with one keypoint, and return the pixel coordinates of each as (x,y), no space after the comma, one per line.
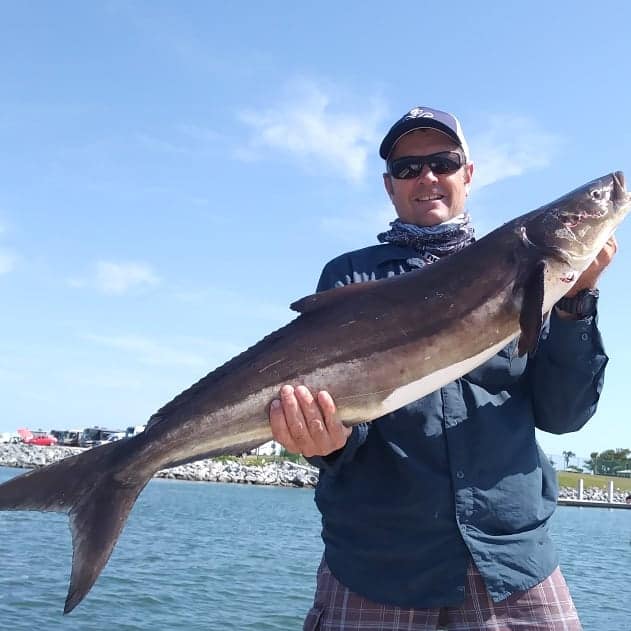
(438,513)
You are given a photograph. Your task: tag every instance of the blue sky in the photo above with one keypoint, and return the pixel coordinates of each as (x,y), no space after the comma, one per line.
(175,174)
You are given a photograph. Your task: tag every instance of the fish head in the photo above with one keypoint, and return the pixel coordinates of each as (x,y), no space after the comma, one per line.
(575,227)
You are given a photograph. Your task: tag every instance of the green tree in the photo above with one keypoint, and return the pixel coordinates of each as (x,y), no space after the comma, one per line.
(592,463)
(609,462)
(566,456)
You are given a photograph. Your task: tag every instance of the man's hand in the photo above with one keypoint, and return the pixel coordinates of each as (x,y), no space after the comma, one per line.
(302,424)
(589,278)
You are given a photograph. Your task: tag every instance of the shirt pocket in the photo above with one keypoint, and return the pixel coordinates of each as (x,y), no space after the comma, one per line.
(501,371)
(510,350)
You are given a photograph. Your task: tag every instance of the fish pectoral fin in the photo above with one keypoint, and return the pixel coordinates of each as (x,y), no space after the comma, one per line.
(531,316)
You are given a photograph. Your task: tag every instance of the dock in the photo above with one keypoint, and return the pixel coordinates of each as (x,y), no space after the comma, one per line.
(592,503)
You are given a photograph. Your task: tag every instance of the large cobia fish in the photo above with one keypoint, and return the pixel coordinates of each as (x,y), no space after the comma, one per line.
(375,346)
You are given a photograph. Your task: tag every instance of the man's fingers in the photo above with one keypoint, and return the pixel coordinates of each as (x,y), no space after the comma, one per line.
(296,422)
(311,413)
(280,431)
(320,443)
(306,424)
(589,278)
(609,251)
(325,400)
(338,434)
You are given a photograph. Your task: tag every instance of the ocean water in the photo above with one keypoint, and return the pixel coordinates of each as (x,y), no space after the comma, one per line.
(218,557)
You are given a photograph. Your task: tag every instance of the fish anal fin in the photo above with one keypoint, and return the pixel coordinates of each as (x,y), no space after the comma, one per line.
(531,316)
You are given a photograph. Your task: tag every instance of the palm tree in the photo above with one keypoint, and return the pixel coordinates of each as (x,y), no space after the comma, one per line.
(566,456)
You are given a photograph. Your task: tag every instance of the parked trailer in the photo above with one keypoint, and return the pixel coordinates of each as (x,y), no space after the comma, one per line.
(93,436)
(67,437)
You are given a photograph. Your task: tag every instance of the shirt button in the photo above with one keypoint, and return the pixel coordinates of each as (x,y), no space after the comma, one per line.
(584,336)
(460,474)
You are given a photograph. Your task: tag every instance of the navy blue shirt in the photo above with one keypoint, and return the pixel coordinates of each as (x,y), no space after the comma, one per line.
(456,476)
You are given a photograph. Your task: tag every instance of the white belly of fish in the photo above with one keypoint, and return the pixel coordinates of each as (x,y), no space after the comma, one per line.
(365,406)
(422,387)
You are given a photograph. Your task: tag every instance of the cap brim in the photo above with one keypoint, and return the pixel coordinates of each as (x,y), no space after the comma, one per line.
(410,125)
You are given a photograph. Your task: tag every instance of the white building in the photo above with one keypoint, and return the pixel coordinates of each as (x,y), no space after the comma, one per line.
(272,448)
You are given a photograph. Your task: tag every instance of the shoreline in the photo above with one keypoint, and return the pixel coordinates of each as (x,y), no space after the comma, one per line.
(285,473)
(275,473)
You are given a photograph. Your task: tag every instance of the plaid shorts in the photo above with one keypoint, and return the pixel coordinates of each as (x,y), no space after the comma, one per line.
(547,606)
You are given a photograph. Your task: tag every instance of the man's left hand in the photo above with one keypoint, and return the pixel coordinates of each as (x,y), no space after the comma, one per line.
(589,278)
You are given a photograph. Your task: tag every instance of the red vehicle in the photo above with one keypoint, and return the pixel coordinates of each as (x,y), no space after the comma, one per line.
(36,438)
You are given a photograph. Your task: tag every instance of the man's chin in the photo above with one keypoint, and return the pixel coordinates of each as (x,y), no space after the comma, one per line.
(431,216)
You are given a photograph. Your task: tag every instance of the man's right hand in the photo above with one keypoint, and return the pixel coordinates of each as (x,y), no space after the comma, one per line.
(307,425)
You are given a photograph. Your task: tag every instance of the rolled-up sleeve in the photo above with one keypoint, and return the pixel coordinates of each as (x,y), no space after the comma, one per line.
(567,373)
(336,460)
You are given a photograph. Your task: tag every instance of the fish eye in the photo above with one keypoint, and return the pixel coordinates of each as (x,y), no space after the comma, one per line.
(596,194)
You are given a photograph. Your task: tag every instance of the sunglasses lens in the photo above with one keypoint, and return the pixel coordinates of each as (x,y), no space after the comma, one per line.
(405,168)
(443,165)
(439,163)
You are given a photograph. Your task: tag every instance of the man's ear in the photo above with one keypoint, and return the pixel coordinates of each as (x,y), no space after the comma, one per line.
(387,182)
(468,176)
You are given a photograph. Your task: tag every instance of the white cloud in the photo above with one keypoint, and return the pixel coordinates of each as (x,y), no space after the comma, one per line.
(7,261)
(118,278)
(510,145)
(149,351)
(306,124)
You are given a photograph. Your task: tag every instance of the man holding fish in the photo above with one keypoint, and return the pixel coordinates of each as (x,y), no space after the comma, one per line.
(437,513)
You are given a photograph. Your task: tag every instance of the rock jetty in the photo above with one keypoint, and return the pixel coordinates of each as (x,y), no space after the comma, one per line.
(592,494)
(283,473)
(273,473)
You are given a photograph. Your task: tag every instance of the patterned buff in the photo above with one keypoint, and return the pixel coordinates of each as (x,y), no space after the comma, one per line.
(431,242)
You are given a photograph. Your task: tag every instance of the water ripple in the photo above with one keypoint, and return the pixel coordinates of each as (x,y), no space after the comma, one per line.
(217,557)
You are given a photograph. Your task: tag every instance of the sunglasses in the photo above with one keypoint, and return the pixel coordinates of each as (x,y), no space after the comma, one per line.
(442,163)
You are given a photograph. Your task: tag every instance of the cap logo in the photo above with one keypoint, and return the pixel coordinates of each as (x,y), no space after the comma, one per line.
(419,112)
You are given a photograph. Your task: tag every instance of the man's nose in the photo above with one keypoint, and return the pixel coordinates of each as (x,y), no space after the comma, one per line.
(427,174)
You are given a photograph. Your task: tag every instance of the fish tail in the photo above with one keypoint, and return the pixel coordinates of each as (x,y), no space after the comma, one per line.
(97,490)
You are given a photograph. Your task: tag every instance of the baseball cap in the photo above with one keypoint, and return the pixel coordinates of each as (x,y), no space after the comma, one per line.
(423,118)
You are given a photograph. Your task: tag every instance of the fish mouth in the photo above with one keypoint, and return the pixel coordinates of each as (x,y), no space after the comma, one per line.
(619,189)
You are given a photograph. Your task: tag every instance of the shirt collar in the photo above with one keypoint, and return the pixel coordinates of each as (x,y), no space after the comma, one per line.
(387,252)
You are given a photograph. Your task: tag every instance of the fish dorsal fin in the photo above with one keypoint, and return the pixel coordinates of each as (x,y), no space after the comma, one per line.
(531,317)
(314,302)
